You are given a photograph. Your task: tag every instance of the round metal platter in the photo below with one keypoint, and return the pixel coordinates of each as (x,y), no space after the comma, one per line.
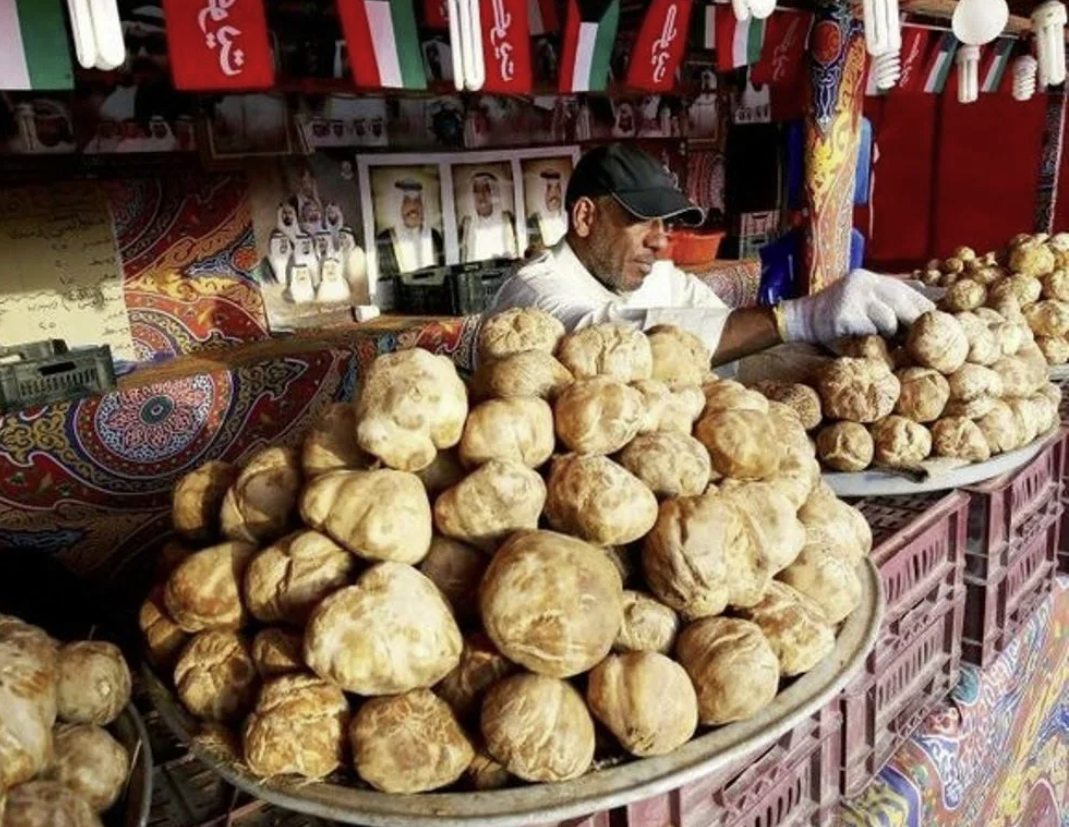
(132,808)
(546,803)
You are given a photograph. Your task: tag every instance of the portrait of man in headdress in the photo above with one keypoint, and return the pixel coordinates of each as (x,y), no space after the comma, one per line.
(407,209)
(544,183)
(486,218)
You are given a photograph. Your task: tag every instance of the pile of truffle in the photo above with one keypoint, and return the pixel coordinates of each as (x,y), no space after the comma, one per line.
(58,763)
(450,592)
(963,386)
(1028,284)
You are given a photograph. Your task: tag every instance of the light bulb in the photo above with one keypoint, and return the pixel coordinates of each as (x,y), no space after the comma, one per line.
(761,9)
(883,31)
(968,60)
(976,22)
(887,69)
(1048,26)
(1024,78)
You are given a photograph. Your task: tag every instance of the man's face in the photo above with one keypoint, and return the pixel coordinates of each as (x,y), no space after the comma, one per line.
(484,197)
(553,196)
(620,249)
(306,183)
(412,210)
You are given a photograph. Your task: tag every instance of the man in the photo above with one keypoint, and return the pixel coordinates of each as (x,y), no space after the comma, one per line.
(607,269)
(491,233)
(547,224)
(412,246)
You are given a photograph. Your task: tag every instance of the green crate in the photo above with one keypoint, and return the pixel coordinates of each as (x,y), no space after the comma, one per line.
(40,373)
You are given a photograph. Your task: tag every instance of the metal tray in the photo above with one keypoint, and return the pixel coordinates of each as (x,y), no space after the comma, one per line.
(546,803)
(884,484)
(132,808)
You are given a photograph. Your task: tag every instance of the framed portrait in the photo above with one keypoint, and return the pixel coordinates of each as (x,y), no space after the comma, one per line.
(406,231)
(343,120)
(545,180)
(248,125)
(484,196)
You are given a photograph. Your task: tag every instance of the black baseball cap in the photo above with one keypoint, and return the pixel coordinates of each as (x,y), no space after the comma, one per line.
(637,180)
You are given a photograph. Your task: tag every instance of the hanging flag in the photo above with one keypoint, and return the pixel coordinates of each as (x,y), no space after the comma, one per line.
(542,16)
(436,14)
(709,26)
(738,42)
(938,69)
(658,49)
(218,45)
(589,35)
(911,58)
(506,46)
(786,35)
(993,69)
(34,50)
(385,32)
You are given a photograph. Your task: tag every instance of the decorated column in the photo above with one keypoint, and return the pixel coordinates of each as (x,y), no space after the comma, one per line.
(832,137)
(1050,160)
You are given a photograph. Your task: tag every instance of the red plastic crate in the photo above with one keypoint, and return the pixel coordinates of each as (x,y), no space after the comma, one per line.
(997,609)
(883,707)
(1002,505)
(795,783)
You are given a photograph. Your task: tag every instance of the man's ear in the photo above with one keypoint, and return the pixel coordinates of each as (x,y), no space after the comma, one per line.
(583,212)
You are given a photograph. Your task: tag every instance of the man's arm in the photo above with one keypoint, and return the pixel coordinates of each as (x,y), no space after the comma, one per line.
(746,331)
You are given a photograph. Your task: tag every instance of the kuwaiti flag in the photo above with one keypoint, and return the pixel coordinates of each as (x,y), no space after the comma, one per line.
(995,63)
(939,64)
(383,43)
(34,50)
(543,16)
(589,35)
(738,42)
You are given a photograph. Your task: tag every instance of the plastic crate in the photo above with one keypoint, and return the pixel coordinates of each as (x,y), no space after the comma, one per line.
(997,609)
(919,547)
(451,291)
(1001,506)
(883,708)
(792,784)
(40,373)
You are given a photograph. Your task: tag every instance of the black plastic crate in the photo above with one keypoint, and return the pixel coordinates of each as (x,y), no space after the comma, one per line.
(451,291)
(40,373)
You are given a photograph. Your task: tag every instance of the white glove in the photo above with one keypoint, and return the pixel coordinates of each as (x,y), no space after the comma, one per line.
(861,304)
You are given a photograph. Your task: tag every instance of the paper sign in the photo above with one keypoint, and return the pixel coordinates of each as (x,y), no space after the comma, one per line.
(60,276)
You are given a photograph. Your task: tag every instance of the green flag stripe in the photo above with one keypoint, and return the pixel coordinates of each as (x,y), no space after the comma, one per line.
(409,57)
(44,40)
(603,43)
(754,41)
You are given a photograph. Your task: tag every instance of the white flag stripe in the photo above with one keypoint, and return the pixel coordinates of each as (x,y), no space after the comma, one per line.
(937,70)
(584,56)
(710,27)
(740,43)
(380,21)
(14,73)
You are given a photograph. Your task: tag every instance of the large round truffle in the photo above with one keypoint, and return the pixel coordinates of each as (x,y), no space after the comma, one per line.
(859,390)
(845,446)
(900,441)
(965,294)
(678,355)
(285,581)
(598,501)
(498,498)
(198,497)
(669,464)
(204,592)
(47,804)
(215,677)
(27,700)
(538,728)
(409,743)
(741,443)
(727,395)
(865,347)
(411,405)
(1055,349)
(277,651)
(389,633)
(959,438)
(648,625)
(825,578)
(670,409)
(937,340)
(258,507)
(516,330)
(617,350)
(646,700)
(924,394)
(377,515)
(551,603)
(838,525)
(297,728)
(794,626)
(519,428)
(91,762)
(771,516)
(331,444)
(733,668)
(94,682)
(984,347)
(599,415)
(802,399)
(971,381)
(481,665)
(528,373)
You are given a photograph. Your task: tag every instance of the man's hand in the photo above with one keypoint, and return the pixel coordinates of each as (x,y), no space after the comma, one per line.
(861,304)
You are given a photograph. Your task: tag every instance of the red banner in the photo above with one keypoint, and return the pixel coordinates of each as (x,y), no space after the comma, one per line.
(782,63)
(506,46)
(659,46)
(913,58)
(436,14)
(218,44)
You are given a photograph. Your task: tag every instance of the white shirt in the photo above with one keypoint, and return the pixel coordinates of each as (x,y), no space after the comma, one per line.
(558,283)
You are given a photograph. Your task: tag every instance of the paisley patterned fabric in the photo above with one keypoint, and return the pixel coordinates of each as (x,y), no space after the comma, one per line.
(996,754)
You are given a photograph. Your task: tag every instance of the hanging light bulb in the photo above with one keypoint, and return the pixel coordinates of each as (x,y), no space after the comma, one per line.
(887,69)
(968,60)
(883,32)
(1024,78)
(976,22)
(1048,26)
(761,9)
